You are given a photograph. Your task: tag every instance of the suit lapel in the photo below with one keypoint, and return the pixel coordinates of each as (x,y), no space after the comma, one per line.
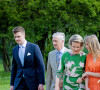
(17,55)
(54,58)
(26,51)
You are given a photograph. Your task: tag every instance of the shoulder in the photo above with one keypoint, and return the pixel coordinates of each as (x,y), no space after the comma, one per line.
(89,55)
(66,53)
(82,53)
(32,45)
(52,52)
(66,49)
(14,49)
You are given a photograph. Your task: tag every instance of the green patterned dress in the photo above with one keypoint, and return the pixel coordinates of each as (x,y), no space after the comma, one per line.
(73,68)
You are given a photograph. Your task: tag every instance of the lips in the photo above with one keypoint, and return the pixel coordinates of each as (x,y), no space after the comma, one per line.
(75,52)
(55,45)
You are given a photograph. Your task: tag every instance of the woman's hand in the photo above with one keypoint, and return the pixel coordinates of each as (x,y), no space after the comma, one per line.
(57,84)
(85,74)
(79,80)
(61,83)
(87,88)
(98,81)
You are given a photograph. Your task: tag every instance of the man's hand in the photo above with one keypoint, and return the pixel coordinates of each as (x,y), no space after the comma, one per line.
(41,87)
(61,83)
(11,87)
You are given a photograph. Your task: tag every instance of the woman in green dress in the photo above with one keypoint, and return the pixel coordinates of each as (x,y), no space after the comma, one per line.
(72,65)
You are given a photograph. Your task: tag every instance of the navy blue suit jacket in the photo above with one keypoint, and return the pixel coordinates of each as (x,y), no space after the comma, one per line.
(33,69)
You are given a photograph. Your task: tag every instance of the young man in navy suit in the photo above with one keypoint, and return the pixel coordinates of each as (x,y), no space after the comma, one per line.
(28,72)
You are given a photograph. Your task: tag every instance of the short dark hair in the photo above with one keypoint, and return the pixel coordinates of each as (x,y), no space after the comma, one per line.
(18,29)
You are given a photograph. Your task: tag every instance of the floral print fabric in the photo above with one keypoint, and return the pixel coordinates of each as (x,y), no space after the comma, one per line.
(73,68)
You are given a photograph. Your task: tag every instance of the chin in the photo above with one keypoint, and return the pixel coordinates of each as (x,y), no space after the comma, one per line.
(19,43)
(55,47)
(76,53)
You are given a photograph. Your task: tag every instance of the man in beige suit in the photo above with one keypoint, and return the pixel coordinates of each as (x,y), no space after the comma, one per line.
(58,40)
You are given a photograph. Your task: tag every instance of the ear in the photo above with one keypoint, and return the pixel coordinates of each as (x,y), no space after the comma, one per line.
(62,41)
(23,34)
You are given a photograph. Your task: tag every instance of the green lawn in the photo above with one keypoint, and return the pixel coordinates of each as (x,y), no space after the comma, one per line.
(5,79)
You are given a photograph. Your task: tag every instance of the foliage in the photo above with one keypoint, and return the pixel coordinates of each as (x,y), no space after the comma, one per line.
(41,18)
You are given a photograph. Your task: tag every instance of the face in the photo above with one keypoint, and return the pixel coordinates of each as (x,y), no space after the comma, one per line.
(76,47)
(19,37)
(57,43)
(86,46)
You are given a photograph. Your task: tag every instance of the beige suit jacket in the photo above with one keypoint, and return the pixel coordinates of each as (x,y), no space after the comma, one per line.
(51,70)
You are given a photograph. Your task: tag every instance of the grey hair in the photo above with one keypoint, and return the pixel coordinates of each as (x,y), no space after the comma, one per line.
(60,35)
(76,38)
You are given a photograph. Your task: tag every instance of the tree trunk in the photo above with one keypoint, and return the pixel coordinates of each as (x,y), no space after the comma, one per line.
(9,61)
(5,57)
(41,43)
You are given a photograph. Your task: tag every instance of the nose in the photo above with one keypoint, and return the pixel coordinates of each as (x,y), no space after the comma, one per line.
(53,42)
(75,49)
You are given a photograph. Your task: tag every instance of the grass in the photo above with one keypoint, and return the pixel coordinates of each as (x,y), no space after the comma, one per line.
(5,79)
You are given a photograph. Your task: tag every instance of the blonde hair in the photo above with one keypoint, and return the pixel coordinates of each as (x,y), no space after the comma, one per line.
(93,43)
(76,38)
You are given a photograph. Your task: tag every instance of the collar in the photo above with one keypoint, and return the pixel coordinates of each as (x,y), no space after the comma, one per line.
(62,50)
(24,45)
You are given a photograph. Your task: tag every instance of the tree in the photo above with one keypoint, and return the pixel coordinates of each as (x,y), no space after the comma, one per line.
(41,18)
(3,34)
(7,17)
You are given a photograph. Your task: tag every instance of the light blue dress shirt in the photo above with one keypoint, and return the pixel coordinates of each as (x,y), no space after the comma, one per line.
(22,52)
